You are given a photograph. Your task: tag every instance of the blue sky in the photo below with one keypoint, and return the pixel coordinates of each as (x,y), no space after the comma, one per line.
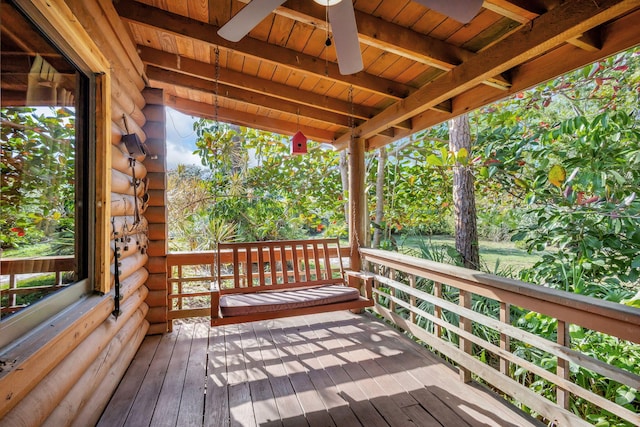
(181,139)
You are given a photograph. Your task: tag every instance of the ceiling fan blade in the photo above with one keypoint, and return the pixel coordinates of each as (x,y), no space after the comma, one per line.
(461,10)
(345,37)
(248,17)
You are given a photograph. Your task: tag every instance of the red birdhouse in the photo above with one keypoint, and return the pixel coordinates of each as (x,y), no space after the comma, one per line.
(299,143)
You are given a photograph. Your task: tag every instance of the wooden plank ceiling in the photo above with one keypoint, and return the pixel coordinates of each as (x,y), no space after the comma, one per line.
(420,67)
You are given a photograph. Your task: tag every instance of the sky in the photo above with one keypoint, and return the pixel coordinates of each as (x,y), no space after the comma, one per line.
(181,140)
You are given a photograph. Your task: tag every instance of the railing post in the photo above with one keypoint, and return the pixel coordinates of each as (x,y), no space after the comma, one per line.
(562,369)
(465,324)
(505,340)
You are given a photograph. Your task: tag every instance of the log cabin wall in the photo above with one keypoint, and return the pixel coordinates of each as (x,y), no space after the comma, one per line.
(156,212)
(68,375)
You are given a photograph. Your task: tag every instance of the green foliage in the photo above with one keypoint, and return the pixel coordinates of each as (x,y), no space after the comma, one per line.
(255,190)
(37,192)
(418,185)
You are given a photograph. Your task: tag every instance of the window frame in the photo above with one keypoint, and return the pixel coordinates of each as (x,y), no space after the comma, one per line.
(57,25)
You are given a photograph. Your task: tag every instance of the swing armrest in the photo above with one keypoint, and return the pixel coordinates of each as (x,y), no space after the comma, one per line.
(362,280)
(215,300)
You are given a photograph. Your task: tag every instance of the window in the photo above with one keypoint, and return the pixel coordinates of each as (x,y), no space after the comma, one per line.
(45,199)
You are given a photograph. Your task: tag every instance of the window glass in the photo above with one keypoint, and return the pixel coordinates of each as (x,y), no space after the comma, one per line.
(42,102)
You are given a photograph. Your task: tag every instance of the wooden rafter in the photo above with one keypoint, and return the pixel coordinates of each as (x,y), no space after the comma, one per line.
(204,70)
(245,96)
(204,110)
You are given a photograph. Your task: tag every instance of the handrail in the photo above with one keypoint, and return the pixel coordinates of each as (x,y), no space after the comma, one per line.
(395,277)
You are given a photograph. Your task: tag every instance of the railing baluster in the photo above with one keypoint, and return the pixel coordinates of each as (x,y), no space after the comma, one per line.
(180,287)
(13,299)
(562,369)
(249,267)
(412,298)
(505,340)
(392,291)
(465,324)
(437,311)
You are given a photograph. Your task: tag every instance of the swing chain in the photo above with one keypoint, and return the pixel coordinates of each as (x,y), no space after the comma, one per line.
(217,79)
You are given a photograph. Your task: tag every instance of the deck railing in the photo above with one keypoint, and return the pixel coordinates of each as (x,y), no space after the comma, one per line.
(445,307)
(190,276)
(11,269)
(439,305)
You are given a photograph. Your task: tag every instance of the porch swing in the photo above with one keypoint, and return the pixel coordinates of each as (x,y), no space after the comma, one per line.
(267,280)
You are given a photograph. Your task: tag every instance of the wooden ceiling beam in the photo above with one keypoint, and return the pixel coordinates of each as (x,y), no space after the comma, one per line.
(620,35)
(388,37)
(548,31)
(522,11)
(591,40)
(204,110)
(141,14)
(245,96)
(287,93)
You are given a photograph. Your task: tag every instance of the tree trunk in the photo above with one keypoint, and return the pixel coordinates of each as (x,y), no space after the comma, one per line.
(344,176)
(463,195)
(378,230)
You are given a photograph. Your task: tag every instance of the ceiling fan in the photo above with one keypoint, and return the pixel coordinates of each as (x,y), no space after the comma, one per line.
(343,23)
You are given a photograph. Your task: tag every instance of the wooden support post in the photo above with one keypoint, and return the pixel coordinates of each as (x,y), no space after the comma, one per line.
(505,340)
(465,324)
(562,370)
(357,205)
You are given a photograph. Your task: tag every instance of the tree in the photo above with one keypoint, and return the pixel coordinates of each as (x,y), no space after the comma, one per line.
(267,193)
(569,150)
(466,233)
(379,216)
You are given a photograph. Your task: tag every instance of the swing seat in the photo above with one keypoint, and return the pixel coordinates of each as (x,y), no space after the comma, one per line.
(267,280)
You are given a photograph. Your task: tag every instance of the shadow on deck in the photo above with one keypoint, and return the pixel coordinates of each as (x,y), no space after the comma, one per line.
(334,369)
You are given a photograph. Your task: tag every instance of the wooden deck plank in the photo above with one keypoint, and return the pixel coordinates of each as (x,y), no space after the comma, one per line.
(145,401)
(168,404)
(410,359)
(290,348)
(382,391)
(115,414)
(325,347)
(335,369)
(264,402)
(192,403)
(241,406)
(333,361)
(286,401)
(216,408)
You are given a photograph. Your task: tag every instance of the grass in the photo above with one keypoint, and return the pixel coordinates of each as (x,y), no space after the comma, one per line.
(27,251)
(506,254)
(47,279)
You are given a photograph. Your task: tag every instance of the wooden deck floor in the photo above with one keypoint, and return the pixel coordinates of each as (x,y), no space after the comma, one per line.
(334,369)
